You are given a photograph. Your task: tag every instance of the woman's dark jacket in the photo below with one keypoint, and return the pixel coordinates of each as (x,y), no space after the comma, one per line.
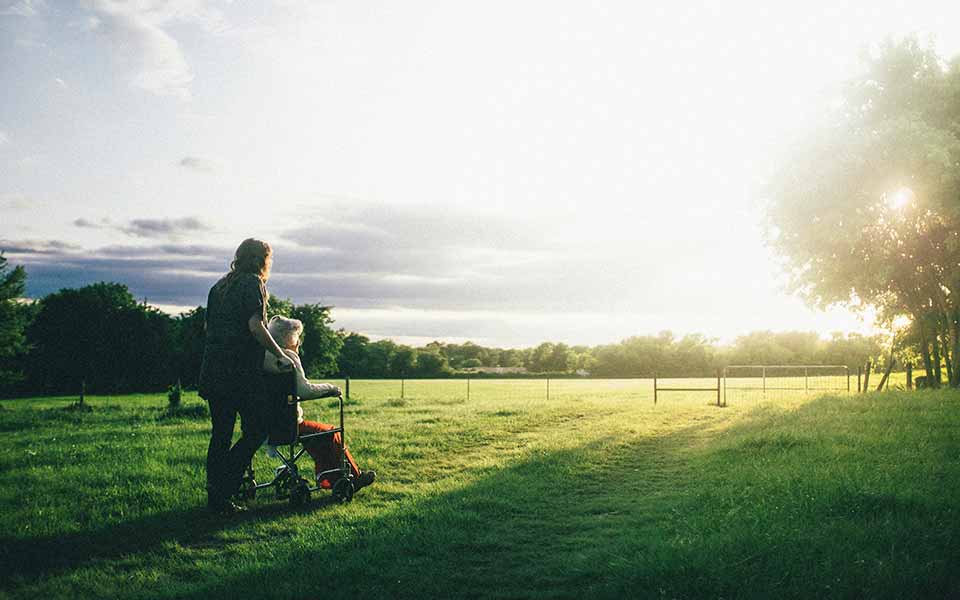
(232,357)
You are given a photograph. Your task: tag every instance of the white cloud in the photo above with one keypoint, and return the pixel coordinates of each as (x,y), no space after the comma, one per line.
(23,8)
(15,201)
(140,29)
(3,138)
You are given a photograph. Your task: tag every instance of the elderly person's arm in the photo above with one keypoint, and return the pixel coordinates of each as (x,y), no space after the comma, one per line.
(307,390)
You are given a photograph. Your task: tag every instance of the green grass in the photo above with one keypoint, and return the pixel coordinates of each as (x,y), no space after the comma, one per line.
(594,492)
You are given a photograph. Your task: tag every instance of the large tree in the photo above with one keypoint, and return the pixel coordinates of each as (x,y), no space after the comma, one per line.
(12,321)
(100,335)
(321,344)
(866,210)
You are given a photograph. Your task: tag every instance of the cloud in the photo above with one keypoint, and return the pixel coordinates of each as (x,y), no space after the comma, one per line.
(140,30)
(166,274)
(36,247)
(24,8)
(83,223)
(147,228)
(367,256)
(15,201)
(4,138)
(150,228)
(200,165)
(486,273)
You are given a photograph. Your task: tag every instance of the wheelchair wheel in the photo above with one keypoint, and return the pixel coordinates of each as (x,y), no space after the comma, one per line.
(300,494)
(343,490)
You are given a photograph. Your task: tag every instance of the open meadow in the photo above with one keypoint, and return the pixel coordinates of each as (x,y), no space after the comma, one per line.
(593,492)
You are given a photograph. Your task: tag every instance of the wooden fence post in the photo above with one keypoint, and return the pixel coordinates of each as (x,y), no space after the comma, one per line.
(909,375)
(718,387)
(347,387)
(859,373)
(866,378)
(886,373)
(654,389)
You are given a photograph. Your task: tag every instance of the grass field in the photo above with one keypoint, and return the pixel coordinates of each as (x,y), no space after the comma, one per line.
(595,492)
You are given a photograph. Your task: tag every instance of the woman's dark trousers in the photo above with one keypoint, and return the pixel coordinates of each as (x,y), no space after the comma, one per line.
(225,465)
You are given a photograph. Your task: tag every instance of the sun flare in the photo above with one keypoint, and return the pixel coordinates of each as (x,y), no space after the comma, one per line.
(900,198)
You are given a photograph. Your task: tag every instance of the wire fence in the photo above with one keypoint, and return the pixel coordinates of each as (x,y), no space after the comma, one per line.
(735,383)
(762,382)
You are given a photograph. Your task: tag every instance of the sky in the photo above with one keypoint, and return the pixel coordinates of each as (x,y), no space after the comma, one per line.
(501,172)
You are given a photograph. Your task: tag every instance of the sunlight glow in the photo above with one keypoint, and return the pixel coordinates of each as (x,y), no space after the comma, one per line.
(900,199)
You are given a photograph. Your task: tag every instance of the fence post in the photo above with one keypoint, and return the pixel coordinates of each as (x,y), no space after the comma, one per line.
(347,387)
(83,390)
(548,389)
(859,372)
(866,378)
(764,372)
(718,387)
(885,380)
(401,388)
(724,386)
(468,388)
(847,369)
(806,381)
(909,375)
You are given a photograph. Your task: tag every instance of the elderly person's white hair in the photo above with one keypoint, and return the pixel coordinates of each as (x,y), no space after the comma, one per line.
(285,331)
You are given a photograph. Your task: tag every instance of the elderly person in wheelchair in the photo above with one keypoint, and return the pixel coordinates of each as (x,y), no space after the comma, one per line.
(330,457)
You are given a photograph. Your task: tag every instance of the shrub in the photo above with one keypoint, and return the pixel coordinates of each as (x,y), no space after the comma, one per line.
(175,394)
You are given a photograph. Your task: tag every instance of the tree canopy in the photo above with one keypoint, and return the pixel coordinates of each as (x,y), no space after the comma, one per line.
(13,319)
(866,209)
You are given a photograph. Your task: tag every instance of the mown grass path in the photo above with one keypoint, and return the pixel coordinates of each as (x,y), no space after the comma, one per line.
(594,493)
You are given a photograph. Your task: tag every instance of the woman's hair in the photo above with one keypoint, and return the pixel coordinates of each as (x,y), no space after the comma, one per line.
(252,256)
(286,332)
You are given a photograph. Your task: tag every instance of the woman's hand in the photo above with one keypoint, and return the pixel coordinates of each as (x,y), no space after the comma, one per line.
(284,363)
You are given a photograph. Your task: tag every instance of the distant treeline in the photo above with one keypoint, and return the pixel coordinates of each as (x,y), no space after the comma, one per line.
(101,335)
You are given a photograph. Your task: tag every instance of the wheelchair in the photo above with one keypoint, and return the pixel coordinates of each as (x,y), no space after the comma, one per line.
(287,481)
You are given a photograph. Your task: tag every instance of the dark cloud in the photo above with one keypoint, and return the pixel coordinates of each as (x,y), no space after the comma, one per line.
(190,250)
(150,228)
(418,258)
(200,165)
(36,247)
(84,223)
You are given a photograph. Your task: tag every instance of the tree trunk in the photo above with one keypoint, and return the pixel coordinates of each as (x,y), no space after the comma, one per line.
(955,334)
(937,375)
(925,350)
(948,361)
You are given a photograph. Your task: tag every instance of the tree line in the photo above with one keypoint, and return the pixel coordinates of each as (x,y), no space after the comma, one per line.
(102,336)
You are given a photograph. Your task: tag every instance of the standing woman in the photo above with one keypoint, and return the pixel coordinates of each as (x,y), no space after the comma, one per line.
(230,377)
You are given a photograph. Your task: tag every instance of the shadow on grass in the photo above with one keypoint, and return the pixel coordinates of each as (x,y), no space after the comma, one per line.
(46,555)
(653,516)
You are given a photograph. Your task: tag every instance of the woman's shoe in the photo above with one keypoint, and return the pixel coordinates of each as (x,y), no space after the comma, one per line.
(225,508)
(365,479)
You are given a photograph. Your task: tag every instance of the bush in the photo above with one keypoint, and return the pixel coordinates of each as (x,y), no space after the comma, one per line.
(175,395)
(188,411)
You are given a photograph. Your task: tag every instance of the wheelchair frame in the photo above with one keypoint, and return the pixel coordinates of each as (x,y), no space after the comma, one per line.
(287,480)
